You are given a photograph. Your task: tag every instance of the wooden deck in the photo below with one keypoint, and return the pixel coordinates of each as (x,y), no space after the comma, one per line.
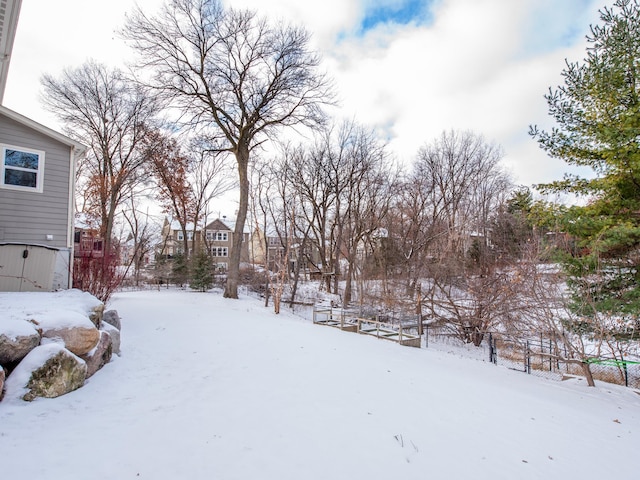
(338,318)
(387,331)
(350,322)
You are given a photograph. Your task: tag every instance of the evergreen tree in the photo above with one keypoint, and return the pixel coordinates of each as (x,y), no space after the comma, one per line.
(179,269)
(202,276)
(597,112)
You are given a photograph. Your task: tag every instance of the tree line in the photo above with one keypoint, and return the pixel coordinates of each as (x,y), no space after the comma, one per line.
(213,86)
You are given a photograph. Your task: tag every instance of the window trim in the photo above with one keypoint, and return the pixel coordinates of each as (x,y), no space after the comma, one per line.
(39,188)
(223,251)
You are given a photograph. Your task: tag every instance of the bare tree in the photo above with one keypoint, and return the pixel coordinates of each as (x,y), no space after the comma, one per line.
(102,108)
(142,236)
(465,182)
(472,305)
(469,287)
(368,183)
(414,227)
(233,71)
(337,200)
(312,178)
(277,204)
(210,176)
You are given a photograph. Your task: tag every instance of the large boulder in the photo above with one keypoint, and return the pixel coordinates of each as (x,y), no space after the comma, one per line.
(114,333)
(17,338)
(95,315)
(76,331)
(99,356)
(48,371)
(112,318)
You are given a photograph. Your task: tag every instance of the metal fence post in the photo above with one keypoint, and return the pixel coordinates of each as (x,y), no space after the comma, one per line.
(426,336)
(493,351)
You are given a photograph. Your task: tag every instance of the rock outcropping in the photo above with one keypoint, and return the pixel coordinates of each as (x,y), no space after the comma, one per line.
(48,371)
(50,343)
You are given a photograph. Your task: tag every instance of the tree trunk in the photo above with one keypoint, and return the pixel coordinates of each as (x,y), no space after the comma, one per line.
(233,276)
(586,368)
(349,281)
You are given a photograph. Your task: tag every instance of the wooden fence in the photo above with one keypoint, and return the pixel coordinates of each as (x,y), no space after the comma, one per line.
(350,321)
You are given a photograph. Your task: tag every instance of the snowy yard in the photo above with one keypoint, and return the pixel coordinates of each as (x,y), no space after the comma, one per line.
(210,388)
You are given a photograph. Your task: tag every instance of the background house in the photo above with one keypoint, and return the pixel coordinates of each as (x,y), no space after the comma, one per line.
(216,238)
(172,239)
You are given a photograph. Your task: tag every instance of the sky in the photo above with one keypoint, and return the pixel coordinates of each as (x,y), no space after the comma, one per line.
(411,69)
(207,387)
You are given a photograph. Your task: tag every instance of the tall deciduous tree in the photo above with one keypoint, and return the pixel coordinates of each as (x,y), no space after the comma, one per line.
(233,73)
(103,109)
(597,112)
(169,167)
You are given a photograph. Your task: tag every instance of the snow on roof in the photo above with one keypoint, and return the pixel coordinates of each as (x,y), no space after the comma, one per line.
(175,225)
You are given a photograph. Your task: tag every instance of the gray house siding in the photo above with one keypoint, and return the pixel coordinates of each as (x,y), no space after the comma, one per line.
(29,217)
(36,226)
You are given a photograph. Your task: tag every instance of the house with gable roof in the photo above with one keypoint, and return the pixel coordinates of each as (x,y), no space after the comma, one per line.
(216,238)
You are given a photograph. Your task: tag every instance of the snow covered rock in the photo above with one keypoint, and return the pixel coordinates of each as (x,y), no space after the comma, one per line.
(95,315)
(76,330)
(115,336)
(112,318)
(100,355)
(17,338)
(48,371)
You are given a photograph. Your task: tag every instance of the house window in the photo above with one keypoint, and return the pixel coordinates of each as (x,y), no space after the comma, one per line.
(209,235)
(179,236)
(219,251)
(221,267)
(21,169)
(222,236)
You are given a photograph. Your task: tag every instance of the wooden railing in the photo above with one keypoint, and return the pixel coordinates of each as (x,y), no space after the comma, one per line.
(351,322)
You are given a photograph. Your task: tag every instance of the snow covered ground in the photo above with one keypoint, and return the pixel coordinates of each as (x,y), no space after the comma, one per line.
(211,388)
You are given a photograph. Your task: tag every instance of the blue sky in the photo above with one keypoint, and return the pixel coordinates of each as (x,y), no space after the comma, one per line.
(398,12)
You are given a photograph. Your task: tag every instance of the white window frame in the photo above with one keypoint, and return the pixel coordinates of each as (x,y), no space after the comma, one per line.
(39,171)
(219,252)
(180,236)
(222,236)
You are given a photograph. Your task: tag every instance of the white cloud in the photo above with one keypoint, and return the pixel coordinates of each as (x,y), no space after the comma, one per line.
(482,65)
